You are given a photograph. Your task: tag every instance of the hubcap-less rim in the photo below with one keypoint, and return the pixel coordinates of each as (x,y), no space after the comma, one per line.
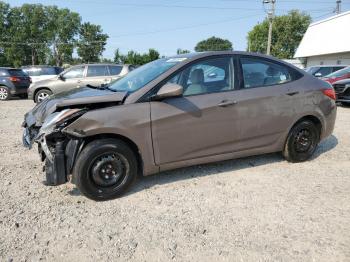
(303,141)
(109,170)
(42,96)
(3,93)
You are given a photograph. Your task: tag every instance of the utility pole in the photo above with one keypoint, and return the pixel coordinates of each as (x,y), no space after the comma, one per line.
(338,8)
(270,16)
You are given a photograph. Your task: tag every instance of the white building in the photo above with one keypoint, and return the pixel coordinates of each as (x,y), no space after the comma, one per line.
(326,42)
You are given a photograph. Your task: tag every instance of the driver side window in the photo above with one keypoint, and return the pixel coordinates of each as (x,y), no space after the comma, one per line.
(75,72)
(207,76)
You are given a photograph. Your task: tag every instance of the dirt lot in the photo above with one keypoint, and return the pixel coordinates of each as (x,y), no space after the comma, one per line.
(253,209)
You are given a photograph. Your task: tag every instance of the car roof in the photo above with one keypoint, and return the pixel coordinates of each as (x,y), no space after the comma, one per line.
(38,66)
(328,66)
(7,68)
(92,64)
(196,55)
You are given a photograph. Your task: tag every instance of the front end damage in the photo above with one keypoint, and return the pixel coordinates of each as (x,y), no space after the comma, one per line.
(57,149)
(45,124)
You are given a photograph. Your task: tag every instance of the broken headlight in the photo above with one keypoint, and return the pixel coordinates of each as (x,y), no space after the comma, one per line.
(60,119)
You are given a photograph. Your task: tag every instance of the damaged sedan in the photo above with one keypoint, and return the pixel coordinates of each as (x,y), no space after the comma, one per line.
(176,112)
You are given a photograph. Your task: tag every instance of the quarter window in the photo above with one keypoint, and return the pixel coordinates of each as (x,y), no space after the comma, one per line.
(97,71)
(115,70)
(258,72)
(208,76)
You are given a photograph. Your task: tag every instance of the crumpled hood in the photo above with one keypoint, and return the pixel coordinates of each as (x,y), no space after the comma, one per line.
(76,97)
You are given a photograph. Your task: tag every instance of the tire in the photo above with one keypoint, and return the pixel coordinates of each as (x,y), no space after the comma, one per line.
(41,95)
(4,93)
(301,142)
(104,158)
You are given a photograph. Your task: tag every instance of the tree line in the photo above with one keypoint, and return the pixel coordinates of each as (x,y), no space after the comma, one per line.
(39,34)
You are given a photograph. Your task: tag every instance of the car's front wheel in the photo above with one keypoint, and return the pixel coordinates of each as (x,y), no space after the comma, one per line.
(302,141)
(105,169)
(41,95)
(4,93)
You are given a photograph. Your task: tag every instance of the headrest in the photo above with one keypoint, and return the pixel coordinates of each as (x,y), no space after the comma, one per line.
(271,71)
(197,76)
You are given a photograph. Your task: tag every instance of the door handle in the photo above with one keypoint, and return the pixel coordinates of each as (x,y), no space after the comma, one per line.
(226,103)
(292,93)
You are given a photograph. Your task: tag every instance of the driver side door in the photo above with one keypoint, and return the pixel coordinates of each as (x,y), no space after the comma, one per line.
(203,122)
(73,78)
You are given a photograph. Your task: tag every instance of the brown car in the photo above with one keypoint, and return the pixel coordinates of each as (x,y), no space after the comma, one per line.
(179,111)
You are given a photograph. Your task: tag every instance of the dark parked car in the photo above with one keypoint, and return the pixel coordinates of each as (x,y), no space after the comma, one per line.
(342,90)
(78,76)
(13,82)
(323,70)
(179,111)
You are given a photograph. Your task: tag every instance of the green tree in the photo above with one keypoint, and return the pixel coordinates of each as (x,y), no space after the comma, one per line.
(91,42)
(63,27)
(180,51)
(135,58)
(4,11)
(27,28)
(287,32)
(213,44)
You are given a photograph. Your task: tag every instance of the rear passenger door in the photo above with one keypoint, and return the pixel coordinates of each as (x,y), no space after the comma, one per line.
(97,75)
(268,98)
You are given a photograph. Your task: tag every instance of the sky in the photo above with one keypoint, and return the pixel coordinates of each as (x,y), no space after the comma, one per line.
(167,25)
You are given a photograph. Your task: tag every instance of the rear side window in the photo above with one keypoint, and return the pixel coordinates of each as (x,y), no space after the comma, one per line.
(97,70)
(16,72)
(323,71)
(260,72)
(3,72)
(337,68)
(115,70)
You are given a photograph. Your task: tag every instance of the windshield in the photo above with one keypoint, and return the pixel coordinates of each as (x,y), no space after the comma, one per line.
(339,73)
(141,76)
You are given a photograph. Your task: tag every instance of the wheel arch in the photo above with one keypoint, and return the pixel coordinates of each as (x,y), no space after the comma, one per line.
(316,120)
(39,89)
(128,141)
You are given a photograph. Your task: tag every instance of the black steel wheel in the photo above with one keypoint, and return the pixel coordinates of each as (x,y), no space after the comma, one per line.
(302,141)
(105,169)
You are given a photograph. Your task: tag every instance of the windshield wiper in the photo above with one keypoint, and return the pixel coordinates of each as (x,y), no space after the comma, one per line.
(102,87)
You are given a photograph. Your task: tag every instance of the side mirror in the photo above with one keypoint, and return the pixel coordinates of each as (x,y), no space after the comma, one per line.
(212,75)
(169,90)
(61,77)
(318,74)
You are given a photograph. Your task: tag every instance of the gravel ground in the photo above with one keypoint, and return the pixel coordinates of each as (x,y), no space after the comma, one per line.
(254,209)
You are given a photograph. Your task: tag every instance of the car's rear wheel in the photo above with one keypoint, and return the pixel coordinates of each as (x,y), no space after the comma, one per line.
(41,95)
(105,169)
(4,93)
(302,141)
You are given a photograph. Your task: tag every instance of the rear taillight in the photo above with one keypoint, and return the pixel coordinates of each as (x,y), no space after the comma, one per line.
(330,93)
(15,79)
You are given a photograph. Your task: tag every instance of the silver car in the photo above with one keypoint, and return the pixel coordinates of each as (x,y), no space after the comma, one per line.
(77,76)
